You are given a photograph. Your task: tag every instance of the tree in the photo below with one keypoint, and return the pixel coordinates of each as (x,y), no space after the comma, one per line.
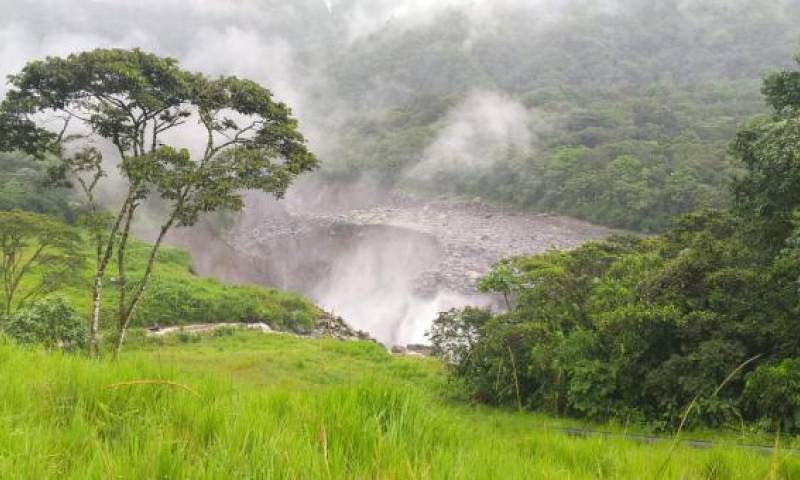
(505,279)
(454,333)
(24,186)
(769,148)
(132,100)
(17,133)
(782,90)
(29,242)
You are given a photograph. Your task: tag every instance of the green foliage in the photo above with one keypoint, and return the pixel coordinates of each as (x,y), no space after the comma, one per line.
(123,93)
(782,90)
(503,279)
(132,99)
(591,389)
(35,245)
(634,328)
(615,172)
(772,392)
(455,332)
(23,186)
(18,133)
(634,118)
(180,297)
(51,322)
(769,148)
(172,301)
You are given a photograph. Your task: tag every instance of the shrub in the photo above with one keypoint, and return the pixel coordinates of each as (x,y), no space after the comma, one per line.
(224,332)
(51,322)
(454,333)
(772,392)
(591,389)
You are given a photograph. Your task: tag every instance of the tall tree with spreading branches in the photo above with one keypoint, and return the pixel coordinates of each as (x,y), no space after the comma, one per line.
(133,101)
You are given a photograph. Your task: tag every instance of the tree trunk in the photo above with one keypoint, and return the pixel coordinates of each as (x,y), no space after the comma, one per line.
(126,319)
(100,273)
(7,290)
(121,273)
(8,268)
(95,325)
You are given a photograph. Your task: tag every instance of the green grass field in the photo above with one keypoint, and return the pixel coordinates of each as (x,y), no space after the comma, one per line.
(248,405)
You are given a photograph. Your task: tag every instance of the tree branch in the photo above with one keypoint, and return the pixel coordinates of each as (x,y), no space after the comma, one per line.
(60,136)
(236,140)
(15,276)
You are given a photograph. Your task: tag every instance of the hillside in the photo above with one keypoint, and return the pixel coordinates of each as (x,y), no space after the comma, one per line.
(617,112)
(178,295)
(249,405)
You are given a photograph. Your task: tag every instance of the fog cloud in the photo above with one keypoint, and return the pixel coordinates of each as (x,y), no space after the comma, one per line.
(484,128)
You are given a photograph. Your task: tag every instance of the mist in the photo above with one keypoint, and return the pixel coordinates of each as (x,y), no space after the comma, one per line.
(484,127)
(422,92)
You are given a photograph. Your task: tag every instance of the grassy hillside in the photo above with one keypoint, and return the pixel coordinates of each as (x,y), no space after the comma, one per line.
(178,296)
(252,406)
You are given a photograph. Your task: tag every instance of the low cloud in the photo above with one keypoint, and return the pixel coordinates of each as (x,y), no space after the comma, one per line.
(484,128)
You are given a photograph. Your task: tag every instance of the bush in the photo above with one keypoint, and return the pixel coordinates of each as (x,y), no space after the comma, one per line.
(454,333)
(51,322)
(591,389)
(772,392)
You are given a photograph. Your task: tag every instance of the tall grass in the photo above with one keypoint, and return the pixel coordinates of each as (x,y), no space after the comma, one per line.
(60,419)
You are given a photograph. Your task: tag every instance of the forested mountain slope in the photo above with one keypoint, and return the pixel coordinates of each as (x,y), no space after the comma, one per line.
(628,107)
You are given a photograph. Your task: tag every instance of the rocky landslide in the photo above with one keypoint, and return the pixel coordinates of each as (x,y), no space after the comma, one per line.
(470,236)
(387,263)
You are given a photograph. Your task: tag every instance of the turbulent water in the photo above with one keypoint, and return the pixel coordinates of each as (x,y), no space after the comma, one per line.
(387,263)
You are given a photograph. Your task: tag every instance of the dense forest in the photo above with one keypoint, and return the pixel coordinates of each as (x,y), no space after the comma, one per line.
(697,326)
(628,111)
